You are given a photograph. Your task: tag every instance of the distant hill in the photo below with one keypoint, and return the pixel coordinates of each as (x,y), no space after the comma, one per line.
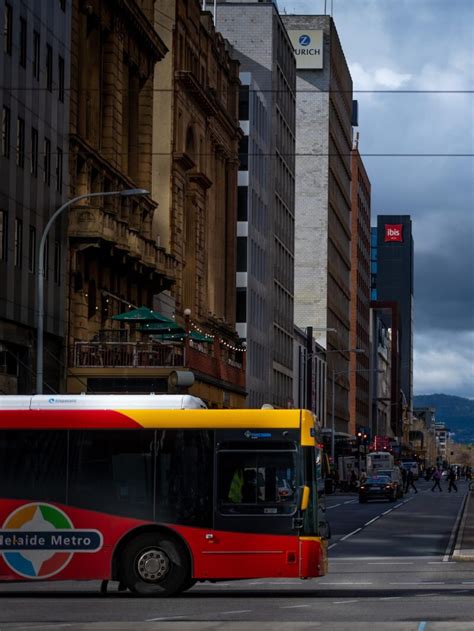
(456,412)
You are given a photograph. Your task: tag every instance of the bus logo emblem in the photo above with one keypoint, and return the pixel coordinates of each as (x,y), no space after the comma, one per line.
(38,540)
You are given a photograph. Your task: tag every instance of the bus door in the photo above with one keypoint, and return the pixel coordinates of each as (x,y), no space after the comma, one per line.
(257,477)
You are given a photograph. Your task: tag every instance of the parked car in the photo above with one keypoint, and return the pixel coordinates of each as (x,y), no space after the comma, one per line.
(395,476)
(377,487)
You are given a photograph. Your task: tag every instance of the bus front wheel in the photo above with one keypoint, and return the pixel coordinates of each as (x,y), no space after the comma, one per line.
(154,565)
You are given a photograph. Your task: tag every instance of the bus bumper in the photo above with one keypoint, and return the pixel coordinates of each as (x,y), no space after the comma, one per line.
(313,557)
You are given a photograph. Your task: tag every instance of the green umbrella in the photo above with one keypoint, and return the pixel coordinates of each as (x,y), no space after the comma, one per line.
(142,315)
(162,327)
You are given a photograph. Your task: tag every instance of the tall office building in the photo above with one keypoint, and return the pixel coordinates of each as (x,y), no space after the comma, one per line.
(261,44)
(34,67)
(323,196)
(360,374)
(392,280)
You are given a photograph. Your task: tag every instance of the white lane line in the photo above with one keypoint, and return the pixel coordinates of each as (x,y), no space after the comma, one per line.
(390,563)
(343,602)
(350,534)
(350,502)
(332,545)
(347,583)
(390,598)
(418,583)
(450,546)
(372,520)
(398,505)
(163,618)
(441,562)
(222,613)
(294,606)
(333,506)
(467,583)
(387,511)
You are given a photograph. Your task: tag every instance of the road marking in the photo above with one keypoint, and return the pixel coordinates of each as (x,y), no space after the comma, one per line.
(441,562)
(419,583)
(449,549)
(163,618)
(350,534)
(229,612)
(332,545)
(467,583)
(350,502)
(343,602)
(390,563)
(294,606)
(390,598)
(346,583)
(333,506)
(372,520)
(387,511)
(398,505)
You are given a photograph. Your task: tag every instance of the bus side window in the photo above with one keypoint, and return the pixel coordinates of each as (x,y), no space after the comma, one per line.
(33,465)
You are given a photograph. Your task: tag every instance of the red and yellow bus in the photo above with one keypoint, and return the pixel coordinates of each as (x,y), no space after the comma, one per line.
(156,492)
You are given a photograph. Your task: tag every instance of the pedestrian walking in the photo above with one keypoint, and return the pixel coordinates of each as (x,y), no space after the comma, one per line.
(410,482)
(436,480)
(452,480)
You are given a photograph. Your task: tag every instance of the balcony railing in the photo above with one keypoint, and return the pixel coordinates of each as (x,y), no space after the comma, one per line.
(125,355)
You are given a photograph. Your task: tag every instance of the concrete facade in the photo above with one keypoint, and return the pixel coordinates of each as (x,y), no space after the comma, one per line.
(254,277)
(360,373)
(34,75)
(261,44)
(323,204)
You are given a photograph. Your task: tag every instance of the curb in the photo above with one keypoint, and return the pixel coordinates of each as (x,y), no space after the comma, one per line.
(458,553)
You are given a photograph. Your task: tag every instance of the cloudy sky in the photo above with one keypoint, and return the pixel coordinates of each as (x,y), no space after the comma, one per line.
(414,45)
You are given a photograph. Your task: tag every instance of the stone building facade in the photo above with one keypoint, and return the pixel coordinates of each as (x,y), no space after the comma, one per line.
(259,38)
(115,262)
(34,101)
(360,374)
(323,204)
(195,171)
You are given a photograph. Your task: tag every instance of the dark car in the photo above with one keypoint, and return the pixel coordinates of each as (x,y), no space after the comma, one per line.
(377,487)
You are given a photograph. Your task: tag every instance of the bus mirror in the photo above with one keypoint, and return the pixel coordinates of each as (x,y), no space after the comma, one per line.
(304,497)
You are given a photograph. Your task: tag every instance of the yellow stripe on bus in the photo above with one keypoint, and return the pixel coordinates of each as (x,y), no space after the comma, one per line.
(216,419)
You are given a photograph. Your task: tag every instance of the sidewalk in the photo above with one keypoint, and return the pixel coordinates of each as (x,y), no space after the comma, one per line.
(464,547)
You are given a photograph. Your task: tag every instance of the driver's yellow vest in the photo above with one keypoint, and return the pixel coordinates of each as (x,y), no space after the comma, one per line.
(235,491)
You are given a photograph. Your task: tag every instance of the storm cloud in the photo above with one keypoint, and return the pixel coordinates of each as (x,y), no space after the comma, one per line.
(424,51)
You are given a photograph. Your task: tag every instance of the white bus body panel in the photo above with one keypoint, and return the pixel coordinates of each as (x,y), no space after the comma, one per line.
(102,402)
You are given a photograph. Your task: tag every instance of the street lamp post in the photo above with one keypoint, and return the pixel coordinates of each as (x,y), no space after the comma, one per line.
(40,275)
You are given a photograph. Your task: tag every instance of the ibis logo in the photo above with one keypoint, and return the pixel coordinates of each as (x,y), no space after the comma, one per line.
(393,232)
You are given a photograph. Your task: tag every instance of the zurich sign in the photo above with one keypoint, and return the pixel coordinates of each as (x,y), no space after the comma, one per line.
(304,40)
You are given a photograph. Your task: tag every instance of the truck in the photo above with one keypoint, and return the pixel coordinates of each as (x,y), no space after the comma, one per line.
(379,460)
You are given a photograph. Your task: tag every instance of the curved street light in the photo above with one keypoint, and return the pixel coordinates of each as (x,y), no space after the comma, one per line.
(129,192)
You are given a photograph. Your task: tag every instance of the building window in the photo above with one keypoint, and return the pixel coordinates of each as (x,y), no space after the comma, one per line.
(6,132)
(241,254)
(47,161)
(18,242)
(7,29)
(242,203)
(36,55)
(59,170)
(20,142)
(241,305)
(244,103)
(57,262)
(61,78)
(23,42)
(32,250)
(34,152)
(49,67)
(3,235)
